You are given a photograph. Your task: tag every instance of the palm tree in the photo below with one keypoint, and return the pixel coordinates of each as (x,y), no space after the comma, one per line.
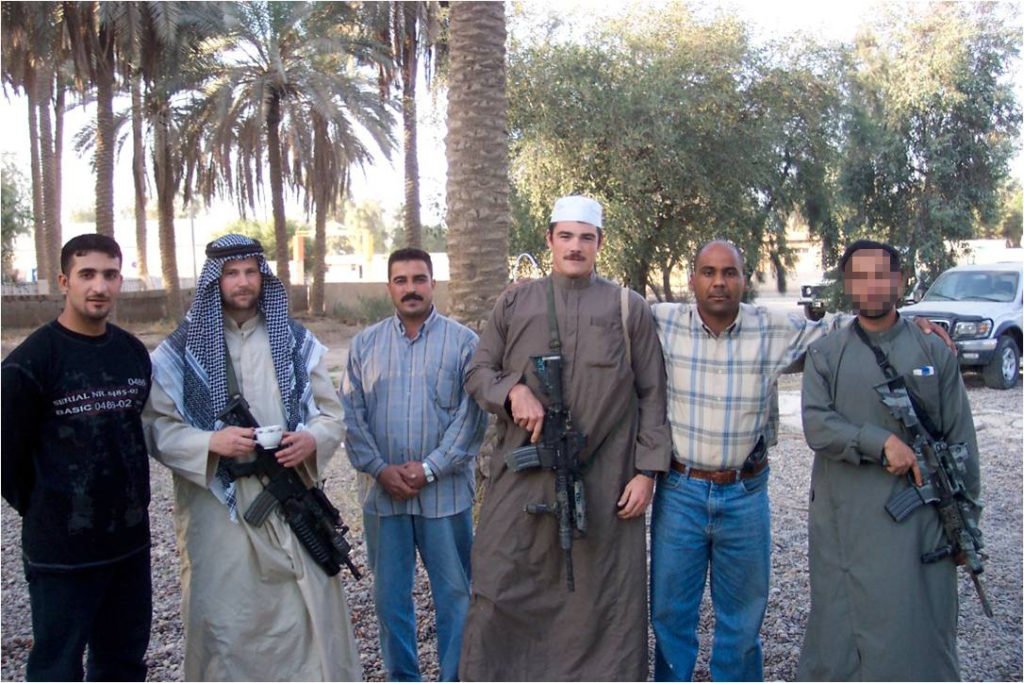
(412,30)
(174,70)
(33,49)
(286,68)
(477,150)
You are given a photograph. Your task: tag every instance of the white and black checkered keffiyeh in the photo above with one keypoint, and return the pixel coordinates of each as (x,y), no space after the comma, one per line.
(190,363)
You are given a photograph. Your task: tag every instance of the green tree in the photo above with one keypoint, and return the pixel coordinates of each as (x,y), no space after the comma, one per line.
(16,214)
(932,125)
(657,120)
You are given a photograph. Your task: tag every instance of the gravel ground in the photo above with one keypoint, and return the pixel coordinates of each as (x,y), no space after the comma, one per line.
(990,649)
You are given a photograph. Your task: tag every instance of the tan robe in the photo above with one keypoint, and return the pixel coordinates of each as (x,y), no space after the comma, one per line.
(523,624)
(254,603)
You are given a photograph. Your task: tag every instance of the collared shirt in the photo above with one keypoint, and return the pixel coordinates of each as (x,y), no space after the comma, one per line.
(404,401)
(722,390)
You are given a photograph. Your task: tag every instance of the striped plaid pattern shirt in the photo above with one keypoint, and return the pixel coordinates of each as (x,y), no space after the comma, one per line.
(723,391)
(404,401)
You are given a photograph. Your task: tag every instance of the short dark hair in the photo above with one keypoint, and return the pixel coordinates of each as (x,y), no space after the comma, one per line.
(83,244)
(410,254)
(725,243)
(859,245)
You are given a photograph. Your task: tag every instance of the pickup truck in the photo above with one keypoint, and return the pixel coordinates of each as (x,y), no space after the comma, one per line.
(812,298)
(982,309)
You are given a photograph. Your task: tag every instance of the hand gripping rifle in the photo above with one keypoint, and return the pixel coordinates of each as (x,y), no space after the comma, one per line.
(943,467)
(559,449)
(315,521)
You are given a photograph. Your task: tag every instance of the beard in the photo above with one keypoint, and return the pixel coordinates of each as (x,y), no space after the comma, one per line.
(876,313)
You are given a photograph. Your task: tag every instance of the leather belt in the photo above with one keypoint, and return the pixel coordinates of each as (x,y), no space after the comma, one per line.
(719,476)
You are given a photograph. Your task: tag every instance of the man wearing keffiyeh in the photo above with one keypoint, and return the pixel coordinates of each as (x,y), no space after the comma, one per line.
(254,603)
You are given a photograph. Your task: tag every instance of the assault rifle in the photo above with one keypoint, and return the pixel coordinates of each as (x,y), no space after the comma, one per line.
(943,467)
(559,449)
(309,513)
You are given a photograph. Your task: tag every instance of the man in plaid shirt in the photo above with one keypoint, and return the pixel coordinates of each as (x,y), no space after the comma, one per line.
(723,360)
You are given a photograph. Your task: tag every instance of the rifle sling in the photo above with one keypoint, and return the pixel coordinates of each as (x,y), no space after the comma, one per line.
(890,374)
(235,469)
(554,342)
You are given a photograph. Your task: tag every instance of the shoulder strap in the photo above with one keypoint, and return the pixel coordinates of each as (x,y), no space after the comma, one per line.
(229,370)
(624,310)
(890,374)
(555,344)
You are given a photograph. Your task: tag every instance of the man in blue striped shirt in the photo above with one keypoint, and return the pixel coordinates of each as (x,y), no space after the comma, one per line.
(415,431)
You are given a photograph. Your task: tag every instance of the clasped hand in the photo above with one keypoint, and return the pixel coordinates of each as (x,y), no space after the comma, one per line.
(404,481)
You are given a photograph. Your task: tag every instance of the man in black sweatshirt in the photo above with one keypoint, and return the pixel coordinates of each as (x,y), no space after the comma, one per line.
(74,466)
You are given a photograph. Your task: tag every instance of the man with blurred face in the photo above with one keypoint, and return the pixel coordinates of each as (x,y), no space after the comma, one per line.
(414,431)
(523,623)
(255,603)
(75,468)
(870,588)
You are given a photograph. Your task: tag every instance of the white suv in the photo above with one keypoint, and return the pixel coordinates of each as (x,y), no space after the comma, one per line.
(981,308)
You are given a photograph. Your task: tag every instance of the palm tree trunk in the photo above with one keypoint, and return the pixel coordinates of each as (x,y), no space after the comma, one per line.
(58,157)
(321,200)
(477,152)
(277,191)
(413,226)
(49,173)
(139,177)
(38,220)
(105,135)
(166,187)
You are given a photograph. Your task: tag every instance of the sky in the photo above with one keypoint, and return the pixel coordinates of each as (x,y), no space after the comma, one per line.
(383,181)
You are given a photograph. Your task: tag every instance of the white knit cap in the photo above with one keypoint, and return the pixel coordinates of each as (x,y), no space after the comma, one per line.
(577,208)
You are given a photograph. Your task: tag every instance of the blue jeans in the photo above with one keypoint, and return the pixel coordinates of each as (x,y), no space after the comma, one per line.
(696,523)
(444,544)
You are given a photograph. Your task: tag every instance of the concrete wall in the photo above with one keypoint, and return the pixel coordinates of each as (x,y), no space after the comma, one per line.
(36,309)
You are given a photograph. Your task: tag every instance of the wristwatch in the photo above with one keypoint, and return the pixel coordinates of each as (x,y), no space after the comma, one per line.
(648,473)
(428,473)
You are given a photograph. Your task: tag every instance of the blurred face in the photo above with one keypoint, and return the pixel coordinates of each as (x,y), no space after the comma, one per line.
(90,289)
(240,284)
(411,288)
(717,283)
(574,248)
(870,284)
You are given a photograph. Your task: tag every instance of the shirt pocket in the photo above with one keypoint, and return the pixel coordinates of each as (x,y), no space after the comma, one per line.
(925,390)
(603,345)
(447,389)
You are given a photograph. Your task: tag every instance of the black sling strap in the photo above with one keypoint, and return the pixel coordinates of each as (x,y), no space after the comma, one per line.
(891,374)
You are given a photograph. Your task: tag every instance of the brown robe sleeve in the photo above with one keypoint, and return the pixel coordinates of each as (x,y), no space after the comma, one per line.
(653,440)
(487,381)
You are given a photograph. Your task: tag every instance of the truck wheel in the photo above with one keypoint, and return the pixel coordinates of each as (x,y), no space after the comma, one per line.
(1001,371)
(813,313)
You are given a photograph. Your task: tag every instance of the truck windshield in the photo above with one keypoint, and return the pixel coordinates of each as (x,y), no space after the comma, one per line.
(974,285)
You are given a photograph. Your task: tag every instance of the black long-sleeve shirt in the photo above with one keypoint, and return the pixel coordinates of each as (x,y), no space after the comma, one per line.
(74,461)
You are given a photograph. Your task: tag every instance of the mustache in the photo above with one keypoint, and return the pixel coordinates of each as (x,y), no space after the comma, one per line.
(412,297)
(574,256)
